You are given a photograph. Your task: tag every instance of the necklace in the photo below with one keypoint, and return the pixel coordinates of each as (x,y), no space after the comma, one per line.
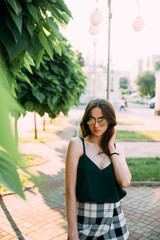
(98,152)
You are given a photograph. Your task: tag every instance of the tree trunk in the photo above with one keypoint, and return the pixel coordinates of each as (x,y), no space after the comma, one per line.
(44,122)
(35,126)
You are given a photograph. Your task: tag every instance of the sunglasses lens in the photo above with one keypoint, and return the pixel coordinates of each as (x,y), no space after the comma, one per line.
(102,122)
(91,122)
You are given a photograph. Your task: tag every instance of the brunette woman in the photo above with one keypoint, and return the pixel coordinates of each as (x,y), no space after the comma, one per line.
(96,175)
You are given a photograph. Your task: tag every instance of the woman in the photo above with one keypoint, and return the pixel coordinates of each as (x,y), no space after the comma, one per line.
(96,173)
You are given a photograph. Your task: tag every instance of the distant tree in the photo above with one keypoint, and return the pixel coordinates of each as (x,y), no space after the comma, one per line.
(80,59)
(157,66)
(55,86)
(123,83)
(146,84)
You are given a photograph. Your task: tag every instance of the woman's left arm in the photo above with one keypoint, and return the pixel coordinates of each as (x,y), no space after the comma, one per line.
(120,166)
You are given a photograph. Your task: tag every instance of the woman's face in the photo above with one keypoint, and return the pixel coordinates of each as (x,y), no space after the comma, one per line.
(97,123)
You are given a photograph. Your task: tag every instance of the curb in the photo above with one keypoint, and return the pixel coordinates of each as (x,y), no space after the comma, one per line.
(145,183)
(137,140)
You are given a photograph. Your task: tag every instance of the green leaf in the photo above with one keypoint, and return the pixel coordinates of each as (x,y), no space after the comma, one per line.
(13,29)
(23,76)
(17,20)
(38,109)
(29,106)
(63,7)
(40,96)
(8,174)
(15,5)
(32,10)
(38,57)
(27,62)
(67,80)
(57,47)
(45,44)
(49,101)
(54,100)
(54,68)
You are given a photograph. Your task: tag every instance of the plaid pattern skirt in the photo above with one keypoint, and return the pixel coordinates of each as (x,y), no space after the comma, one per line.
(101,221)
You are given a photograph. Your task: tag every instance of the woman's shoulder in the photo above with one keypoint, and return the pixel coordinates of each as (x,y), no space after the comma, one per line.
(76,145)
(76,142)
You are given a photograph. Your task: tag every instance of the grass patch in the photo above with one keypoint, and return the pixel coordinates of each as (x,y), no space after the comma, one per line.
(53,131)
(137,135)
(54,122)
(138,102)
(129,123)
(33,140)
(31,159)
(144,169)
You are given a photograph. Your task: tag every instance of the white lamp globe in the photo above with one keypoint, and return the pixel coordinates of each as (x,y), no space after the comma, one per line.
(96,17)
(93,29)
(138,24)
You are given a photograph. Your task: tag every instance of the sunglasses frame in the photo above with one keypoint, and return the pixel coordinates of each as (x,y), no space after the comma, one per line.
(100,122)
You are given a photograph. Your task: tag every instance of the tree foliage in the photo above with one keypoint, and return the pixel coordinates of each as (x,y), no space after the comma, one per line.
(80,58)
(28,30)
(30,26)
(146,84)
(157,66)
(123,83)
(55,86)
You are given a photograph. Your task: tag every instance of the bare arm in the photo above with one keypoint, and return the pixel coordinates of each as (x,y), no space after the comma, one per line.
(120,166)
(73,154)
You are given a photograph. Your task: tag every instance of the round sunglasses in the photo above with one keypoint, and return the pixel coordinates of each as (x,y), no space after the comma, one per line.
(101,122)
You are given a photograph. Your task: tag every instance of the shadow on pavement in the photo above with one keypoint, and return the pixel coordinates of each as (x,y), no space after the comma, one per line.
(11,220)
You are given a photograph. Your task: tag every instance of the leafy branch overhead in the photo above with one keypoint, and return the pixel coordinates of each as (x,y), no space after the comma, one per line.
(32,26)
(55,86)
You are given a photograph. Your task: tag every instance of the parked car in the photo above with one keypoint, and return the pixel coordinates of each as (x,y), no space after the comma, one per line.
(152,103)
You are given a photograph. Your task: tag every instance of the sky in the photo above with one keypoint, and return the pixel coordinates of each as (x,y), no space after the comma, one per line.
(127,45)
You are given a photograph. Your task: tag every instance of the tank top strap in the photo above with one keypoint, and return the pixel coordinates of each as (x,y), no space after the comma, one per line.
(84,148)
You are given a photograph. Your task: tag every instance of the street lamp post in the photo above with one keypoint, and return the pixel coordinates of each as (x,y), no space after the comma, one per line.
(109,37)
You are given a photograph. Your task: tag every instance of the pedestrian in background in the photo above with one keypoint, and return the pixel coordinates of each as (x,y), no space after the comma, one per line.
(122,104)
(96,175)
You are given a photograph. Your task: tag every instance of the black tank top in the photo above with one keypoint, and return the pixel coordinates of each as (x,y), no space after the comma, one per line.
(96,185)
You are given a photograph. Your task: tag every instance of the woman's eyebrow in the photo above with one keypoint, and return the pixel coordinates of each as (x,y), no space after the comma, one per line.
(98,118)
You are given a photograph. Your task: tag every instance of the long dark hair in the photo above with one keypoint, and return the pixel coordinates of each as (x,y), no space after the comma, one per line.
(110,116)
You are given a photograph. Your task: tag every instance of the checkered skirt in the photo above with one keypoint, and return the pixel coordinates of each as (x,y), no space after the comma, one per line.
(101,221)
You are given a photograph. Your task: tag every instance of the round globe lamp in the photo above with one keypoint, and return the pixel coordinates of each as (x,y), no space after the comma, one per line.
(93,29)
(138,24)
(96,17)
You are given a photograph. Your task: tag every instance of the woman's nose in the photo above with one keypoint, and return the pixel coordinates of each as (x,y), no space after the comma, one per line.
(96,124)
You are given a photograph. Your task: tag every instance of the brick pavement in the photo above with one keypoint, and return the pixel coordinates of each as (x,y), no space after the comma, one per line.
(42,216)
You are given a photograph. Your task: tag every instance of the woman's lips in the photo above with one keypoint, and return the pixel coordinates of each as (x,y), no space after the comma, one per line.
(96,130)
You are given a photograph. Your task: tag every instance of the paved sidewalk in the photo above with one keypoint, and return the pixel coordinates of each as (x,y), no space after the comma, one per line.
(42,216)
